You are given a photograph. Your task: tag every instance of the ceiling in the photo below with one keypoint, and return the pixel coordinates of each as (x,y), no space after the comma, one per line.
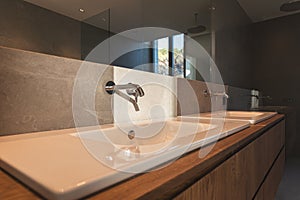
(260,10)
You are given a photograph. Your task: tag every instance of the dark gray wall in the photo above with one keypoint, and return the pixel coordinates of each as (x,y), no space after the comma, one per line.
(277,63)
(91,36)
(28,27)
(233,38)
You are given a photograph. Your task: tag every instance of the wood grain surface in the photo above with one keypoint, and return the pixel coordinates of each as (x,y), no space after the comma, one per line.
(240,176)
(270,185)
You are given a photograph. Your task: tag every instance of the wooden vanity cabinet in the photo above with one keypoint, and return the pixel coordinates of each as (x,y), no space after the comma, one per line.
(254,172)
(245,165)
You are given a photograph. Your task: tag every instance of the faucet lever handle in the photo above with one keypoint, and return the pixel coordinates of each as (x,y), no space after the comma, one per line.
(140,91)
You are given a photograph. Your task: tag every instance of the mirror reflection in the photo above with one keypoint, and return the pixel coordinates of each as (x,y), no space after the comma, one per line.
(73,28)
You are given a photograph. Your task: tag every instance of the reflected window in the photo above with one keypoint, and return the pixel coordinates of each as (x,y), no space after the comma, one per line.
(161,56)
(178,55)
(169,56)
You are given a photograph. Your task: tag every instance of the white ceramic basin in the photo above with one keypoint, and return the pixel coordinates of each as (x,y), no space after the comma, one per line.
(67,166)
(252,117)
(146,132)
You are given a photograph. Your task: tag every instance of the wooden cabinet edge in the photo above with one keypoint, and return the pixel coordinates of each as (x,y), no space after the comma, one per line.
(216,185)
(270,185)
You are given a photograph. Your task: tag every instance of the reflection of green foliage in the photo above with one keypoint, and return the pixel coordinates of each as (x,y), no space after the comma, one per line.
(163,61)
(163,52)
(178,62)
(178,56)
(163,57)
(178,51)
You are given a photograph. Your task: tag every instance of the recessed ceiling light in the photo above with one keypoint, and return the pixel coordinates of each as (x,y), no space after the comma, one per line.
(81,10)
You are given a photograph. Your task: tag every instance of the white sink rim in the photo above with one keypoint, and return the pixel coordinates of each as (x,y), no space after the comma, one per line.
(92,184)
(253,117)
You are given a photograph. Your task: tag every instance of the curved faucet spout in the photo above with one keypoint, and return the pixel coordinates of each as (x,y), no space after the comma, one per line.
(131,89)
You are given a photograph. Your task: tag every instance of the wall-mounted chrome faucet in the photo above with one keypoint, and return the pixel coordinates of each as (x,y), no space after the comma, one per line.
(131,89)
(208,93)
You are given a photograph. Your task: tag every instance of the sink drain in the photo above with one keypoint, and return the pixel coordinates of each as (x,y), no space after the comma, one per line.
(131,134)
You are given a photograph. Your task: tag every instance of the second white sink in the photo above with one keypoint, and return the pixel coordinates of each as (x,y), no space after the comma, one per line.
(252,117)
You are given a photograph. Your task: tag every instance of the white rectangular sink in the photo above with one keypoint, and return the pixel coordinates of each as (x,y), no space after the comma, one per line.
(67,166)
(252,117)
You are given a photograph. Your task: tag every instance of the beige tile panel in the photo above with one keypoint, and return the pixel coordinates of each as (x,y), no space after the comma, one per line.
(191,99)
(159,101)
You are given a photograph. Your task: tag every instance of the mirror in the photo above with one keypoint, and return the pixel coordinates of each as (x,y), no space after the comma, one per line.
(73,28)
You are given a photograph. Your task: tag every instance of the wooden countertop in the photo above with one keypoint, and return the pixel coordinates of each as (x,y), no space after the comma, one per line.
(163,183)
